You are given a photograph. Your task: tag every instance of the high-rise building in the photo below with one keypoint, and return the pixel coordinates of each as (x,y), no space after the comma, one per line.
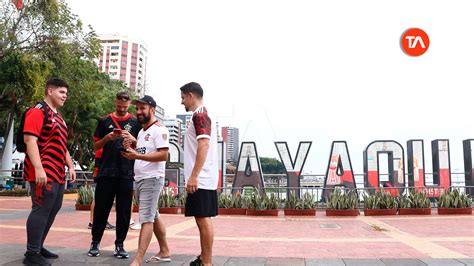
(124,59)
(174,126)
(230,135)
(160,113)
(185,118)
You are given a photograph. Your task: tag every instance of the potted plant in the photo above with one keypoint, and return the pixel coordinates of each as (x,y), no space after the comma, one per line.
(342,204)
(16,192)
(414,203)
(85,196)
(454,202)
(300,207)
(380,203)
(262,205)
(182,201)
(231,204)
(167,202)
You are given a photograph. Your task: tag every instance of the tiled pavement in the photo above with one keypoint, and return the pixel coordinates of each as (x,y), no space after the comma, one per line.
(243,240)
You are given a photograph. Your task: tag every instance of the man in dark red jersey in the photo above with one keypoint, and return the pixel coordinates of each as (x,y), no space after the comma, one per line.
(45,161)
(115,176)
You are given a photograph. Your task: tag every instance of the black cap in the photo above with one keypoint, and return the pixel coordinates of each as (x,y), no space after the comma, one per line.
(147,99)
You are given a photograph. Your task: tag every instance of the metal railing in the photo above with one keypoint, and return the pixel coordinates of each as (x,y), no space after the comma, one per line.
(274,183)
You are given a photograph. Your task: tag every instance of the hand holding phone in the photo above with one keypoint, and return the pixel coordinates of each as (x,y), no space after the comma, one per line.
(117,131)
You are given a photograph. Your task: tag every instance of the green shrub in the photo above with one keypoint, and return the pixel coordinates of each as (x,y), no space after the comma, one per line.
(380,200)
(85,196)
(308,201)
(182,199)
(166,199)
(134,200)
(271,203)
(292,202)
(70,191)
(237,201)
(225,200)
(16,192)
(342,201)
(454,199)
(414,199)
(264,202)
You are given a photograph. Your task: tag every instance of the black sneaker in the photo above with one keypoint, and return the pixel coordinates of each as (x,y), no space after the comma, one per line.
(89,226)
(94,250)
(32,258)
(196,262)
(109,226)
(120,252)
(48,254)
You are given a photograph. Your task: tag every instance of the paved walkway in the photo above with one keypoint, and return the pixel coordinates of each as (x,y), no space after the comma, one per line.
(244,240)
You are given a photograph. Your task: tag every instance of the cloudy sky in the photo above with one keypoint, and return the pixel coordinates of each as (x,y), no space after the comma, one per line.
(283,70)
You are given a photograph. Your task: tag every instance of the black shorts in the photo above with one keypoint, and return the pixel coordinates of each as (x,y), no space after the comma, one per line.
(202,203)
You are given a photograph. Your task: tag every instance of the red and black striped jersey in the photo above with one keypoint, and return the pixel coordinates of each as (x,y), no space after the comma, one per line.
(52,143)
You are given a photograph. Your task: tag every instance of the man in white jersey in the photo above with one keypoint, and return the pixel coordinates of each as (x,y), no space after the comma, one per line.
(200,168)
(150,157)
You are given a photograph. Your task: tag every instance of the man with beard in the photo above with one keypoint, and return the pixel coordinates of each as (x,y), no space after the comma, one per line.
(115,176)
(45,136)
(150,157)
(200,168)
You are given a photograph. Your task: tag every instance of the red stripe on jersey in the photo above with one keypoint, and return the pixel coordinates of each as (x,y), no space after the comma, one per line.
(52,145)
(202,123)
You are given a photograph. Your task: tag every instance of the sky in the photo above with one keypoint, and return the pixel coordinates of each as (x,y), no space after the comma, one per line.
(319,71)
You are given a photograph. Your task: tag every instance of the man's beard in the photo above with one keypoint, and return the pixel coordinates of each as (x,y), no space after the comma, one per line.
(121,113)
(145,119)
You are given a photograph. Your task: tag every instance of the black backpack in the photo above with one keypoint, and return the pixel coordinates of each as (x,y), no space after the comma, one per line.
(20,141)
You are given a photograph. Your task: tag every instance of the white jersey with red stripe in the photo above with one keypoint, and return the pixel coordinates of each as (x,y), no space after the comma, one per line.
(149,140)
(202,126)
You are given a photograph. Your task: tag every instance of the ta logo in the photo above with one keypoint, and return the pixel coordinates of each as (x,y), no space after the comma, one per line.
(414,42)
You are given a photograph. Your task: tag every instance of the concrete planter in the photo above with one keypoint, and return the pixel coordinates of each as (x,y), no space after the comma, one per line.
(169,210)
(443,211)
(379,212)
(253,212)
(81,207)
(299,212)
(232,211)
(414,211)
(332,212)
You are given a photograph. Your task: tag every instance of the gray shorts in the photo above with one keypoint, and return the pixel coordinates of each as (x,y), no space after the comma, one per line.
(148,192)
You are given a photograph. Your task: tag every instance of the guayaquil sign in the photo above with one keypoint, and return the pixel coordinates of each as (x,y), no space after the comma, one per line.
(339,171)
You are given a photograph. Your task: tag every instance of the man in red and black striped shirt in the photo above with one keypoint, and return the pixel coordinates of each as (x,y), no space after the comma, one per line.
(45,161)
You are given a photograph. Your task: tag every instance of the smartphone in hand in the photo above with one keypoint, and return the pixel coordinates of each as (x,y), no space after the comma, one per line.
(117,131)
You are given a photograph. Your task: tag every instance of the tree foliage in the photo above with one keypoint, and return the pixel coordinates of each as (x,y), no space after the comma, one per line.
(45,39)
(271,166)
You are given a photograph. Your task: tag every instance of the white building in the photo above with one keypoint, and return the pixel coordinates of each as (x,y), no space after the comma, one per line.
(230,135)
(124,59)
(185,118)
(174,126)
(160,113)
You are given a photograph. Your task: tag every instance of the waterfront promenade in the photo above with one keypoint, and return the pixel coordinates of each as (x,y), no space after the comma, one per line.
(244,240)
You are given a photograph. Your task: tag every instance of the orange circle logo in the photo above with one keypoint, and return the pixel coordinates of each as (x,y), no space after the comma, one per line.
(415,42)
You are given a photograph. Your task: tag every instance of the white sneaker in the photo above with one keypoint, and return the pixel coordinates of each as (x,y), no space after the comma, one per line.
(131,221)
(136,226)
